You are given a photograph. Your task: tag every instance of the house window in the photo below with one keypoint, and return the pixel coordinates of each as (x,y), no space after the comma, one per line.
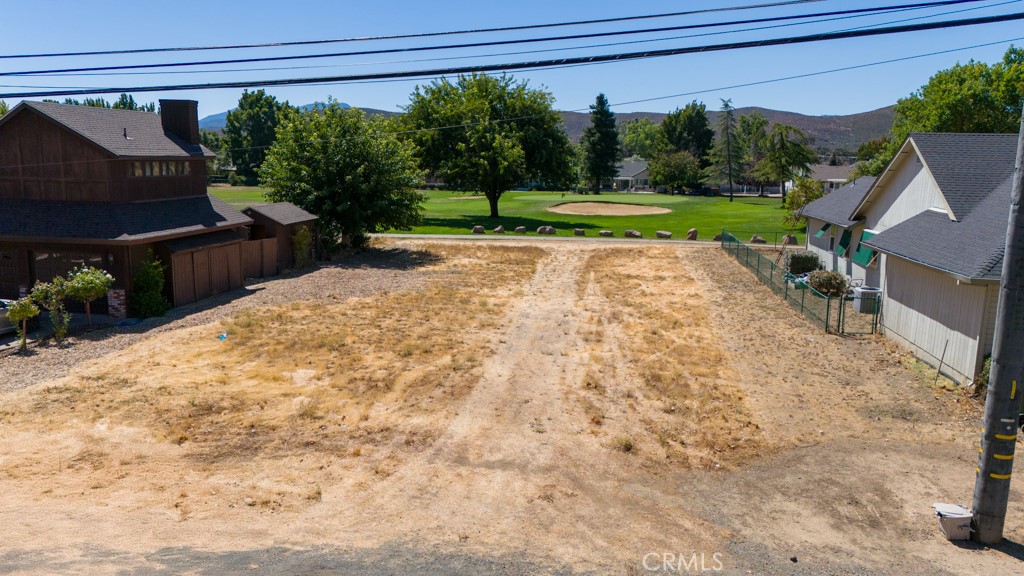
(186,168)
(844,243)
(865,256)
(824,229)
(170,168)
(832,241)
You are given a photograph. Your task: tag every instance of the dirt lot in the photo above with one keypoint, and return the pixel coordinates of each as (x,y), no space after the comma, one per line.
(523,407)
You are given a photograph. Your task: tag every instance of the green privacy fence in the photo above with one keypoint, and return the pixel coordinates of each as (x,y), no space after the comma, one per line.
(837,314)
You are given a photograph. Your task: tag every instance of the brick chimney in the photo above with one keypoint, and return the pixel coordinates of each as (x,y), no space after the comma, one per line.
(181,118)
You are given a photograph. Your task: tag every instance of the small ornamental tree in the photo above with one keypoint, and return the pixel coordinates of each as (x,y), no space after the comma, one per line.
(51,296)
(86,284)
(148,295)
(828,283)
(19,312)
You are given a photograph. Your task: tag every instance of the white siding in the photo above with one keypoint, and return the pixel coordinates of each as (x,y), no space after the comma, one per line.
(910,191)
(988,322)
(923,308)
(843,264)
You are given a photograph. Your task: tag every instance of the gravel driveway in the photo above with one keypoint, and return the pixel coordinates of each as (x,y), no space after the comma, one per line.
(371,272)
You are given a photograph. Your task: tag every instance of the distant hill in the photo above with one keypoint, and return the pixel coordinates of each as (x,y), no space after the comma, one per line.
(829,132)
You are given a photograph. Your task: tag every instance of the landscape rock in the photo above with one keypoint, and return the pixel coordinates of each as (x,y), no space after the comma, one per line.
(789,240)
(478,229)
(692,234)
(755,239)
(546,230)
(499,230)
(718,237)
(520,229)
(663,234)
(606,233)
(579,231)
(633,234)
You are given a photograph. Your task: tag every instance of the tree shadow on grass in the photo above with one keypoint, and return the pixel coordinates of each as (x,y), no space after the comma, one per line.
(509,222)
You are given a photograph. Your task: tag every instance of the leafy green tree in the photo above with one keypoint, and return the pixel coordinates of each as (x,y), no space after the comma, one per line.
(353,172)
(677,170)
(19,313)
(86,284)
(726,156)
(786,156)
(601,144)
(127,102)
(803,193)
(643,138)
(251,129)
(489,134)
(148,298)
(972,97)
(4,109)
(753,131)
(51,296)
(689,129)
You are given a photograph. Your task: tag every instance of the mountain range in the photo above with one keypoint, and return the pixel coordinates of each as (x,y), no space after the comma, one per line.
(826,132)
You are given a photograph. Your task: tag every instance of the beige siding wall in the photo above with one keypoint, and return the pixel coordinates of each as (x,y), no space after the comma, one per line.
(843,264)
(909,192)
(988,323)
(923,308)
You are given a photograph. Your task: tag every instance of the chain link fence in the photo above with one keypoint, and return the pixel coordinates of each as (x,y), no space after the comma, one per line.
(850,314)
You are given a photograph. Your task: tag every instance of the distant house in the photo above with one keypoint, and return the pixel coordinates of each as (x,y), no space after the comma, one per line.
(102,187)
(930,231)
(830,177)
(633,175)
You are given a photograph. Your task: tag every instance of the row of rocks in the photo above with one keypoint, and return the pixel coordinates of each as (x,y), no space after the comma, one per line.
(549,230)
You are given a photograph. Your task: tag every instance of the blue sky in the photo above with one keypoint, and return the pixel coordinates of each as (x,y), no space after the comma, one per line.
(77,26)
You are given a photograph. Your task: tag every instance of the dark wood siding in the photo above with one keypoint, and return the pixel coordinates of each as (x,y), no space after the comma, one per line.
(45,161)
(205,272)
(259,258)
(144,188)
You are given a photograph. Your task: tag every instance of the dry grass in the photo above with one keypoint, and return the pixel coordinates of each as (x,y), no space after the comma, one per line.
(371,377)
(687,400)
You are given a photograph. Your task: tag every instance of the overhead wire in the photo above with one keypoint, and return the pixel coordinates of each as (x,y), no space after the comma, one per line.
(585,60)
(517,41)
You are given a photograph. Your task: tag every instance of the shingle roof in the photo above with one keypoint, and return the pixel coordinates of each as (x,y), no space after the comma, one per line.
(189,243)
(107,128)
(631,168)
(116,222)
(967,167)
(837,206)
(971,247)
(282,213)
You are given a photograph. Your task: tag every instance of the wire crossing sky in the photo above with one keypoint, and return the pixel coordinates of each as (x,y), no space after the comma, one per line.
(71,27)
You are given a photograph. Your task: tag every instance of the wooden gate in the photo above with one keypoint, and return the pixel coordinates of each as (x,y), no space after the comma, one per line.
(259,258)
(202,273)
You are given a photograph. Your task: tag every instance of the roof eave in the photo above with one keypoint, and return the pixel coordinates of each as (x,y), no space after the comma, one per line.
(960,277)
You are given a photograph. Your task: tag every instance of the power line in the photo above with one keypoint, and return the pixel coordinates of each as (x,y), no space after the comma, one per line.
(583,60)
(410,36)
(624,103)
(540,51)
(879,9)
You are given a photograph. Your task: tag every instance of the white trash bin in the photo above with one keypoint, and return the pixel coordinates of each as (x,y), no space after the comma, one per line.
(954,520)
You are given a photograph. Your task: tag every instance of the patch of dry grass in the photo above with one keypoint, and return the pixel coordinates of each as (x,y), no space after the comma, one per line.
(687,401)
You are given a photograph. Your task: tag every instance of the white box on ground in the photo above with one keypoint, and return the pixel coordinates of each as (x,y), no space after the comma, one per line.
(954,520)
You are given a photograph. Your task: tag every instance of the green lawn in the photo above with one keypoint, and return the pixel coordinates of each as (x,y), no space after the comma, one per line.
(238,196)
(451,213)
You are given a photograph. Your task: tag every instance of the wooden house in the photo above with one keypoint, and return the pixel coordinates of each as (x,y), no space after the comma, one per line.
(101,187)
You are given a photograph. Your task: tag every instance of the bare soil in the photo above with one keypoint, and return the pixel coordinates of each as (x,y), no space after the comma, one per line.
(533,407)
(606,209)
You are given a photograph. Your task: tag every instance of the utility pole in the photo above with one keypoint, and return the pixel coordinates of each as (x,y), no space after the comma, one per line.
(1006,378)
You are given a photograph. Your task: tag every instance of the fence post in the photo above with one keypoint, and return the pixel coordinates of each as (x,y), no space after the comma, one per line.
(828,312)
(803,295)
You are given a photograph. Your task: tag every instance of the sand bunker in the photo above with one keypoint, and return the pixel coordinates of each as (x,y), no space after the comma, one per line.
(606,209)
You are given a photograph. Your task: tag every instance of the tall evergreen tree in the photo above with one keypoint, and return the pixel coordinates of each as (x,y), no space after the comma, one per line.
(601,144)
(688,129)
(726,156)
(786,156)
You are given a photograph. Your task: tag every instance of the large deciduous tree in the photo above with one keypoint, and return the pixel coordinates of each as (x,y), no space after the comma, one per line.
(688,129)
(726,156)
(251,129)
(677,170)
(489,134)
(786,156)
(643,138)
(753,132)
(353,172)
(972,97)
(601,144)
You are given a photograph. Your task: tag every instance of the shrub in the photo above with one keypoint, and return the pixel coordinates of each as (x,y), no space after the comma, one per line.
(302,242)
(86,284)
(19,313)
(802,262)
(981,384)
(828,283)
(51,295)
(148,295)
